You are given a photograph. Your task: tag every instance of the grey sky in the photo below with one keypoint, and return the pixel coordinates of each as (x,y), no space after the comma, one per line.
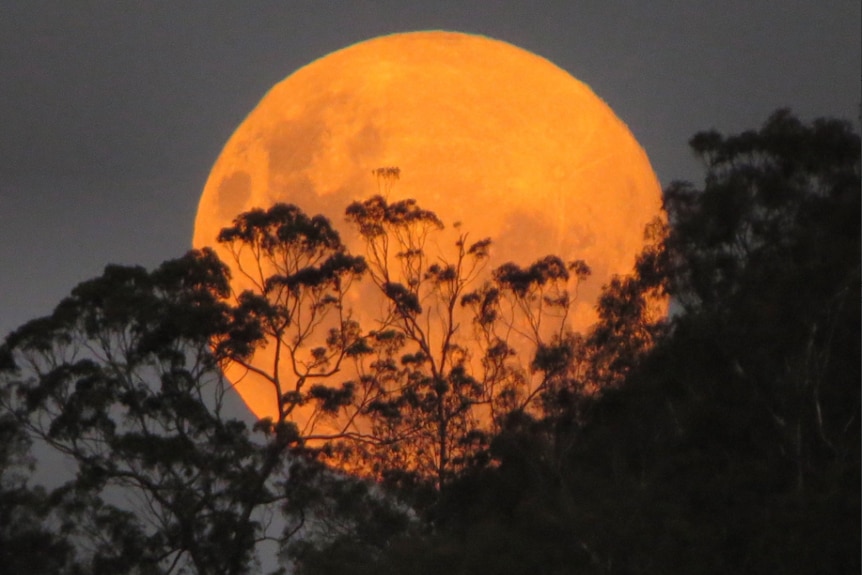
(112,113)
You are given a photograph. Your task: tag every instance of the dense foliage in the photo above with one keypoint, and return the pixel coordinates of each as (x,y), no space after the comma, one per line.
(725,438)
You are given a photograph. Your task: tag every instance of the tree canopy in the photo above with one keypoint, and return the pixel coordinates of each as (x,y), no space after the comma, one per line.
(467,428)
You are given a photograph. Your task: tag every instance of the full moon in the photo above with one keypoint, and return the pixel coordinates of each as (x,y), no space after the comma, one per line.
(485,134)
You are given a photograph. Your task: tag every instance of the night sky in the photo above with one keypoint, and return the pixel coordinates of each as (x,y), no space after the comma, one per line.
(112,113)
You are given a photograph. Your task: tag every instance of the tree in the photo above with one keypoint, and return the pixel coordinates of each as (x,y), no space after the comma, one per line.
(727,441)
(724,440)
(738,432)
(768,254)
(416,396)
(632,314)
(121,379)
(125,380)
(440,389)
(297,272)
(26,543)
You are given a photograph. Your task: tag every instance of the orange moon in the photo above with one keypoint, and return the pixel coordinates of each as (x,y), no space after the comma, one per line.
(484,133)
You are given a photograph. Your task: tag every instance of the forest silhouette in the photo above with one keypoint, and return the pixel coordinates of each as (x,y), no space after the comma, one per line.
(469,430)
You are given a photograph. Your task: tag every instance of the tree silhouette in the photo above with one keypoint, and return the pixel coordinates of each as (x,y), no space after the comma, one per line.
(121,380)
(725,441)
(297,272)
(435,375)
(447,363)
(124,379)
(483,433)
(27,544)
(767,254)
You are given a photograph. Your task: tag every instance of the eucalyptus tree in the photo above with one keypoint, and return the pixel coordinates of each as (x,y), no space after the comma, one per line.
(455,350)
(291,275)
(124,381)
(739,431)
(27,543)
(728,440)
(765,260)
(446,353)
